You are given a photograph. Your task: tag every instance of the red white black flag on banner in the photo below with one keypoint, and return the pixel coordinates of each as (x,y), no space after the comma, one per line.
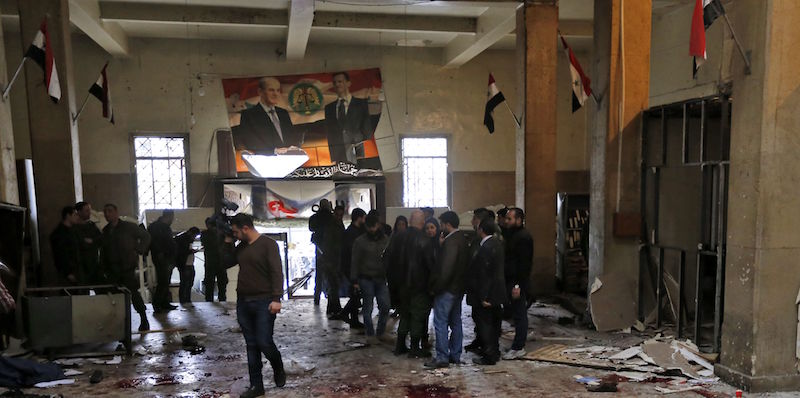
(101,91)
(705,13)
(581,84)
(41,52)
(494,98)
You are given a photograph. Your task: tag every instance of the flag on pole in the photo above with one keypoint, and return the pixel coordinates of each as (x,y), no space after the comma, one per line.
(581,84)
(705,13)
(494,98)
(42,52)
(101,91)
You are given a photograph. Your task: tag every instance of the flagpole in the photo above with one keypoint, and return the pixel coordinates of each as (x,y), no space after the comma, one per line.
(77,115)
(519,124)
(13,79)
(747,69)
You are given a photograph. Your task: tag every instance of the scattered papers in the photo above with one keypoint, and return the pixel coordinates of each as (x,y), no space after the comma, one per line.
(72,372)
(626,354)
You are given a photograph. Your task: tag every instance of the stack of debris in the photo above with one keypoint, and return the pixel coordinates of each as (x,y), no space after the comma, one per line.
(658,360)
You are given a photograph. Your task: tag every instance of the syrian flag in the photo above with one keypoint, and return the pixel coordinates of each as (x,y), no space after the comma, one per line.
(101,91)
(581,84)
(42,52)
(705,13)
(494,98)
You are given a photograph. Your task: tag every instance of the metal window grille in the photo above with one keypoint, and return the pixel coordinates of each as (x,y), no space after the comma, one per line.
(160,172)
(424,172)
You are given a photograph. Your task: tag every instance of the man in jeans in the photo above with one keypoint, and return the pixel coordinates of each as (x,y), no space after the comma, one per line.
(367,269)
(447,285)
(259,290)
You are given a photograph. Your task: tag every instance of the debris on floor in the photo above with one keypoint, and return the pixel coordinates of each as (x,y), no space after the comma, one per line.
(190,343)
(116,360)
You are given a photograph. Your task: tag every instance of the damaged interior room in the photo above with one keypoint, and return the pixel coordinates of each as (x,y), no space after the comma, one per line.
(399,198)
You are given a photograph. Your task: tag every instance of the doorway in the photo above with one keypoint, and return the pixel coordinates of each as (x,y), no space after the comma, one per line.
(685,167)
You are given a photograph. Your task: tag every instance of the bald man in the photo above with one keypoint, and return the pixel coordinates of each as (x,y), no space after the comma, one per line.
(265,126)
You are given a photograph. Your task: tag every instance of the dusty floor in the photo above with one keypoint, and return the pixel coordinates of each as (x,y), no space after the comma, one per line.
(322,362)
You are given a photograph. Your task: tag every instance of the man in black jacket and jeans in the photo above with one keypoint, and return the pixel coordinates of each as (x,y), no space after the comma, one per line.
(447,287)
(487,293)
(519,259)
(356,228)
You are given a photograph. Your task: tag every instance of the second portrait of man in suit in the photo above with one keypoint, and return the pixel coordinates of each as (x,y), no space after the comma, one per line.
(347,122)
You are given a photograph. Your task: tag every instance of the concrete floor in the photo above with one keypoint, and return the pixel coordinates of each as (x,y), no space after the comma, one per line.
(319,365)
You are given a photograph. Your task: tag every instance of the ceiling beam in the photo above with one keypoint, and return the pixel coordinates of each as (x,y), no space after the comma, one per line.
(85,14)
(301,17)
(493,25)
(395,22)
(178,13)
(170,13)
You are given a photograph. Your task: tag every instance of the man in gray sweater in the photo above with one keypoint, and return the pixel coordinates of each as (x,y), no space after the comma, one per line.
(369,273)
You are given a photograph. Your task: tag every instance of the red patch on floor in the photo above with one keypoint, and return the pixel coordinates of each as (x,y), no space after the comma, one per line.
(429,391)
(347,389)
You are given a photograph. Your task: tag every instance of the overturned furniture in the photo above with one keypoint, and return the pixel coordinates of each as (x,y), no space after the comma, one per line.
(58,317)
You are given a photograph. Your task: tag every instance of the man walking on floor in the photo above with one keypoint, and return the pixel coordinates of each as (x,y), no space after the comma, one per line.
(370,275)
(447,286)
(259,290)
(122,244)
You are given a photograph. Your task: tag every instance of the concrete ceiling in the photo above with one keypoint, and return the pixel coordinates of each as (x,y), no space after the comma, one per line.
(463,29)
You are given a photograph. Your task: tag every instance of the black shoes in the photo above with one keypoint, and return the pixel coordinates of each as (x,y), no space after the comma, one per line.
(253,392)
(473,347)
(280,378)
(434,364)
(483,361)
(145,325)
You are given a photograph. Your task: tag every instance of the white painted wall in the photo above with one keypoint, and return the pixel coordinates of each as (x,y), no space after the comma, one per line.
(671,66)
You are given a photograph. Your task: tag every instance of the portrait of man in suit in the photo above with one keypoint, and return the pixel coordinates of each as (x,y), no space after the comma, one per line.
(266,126)
(347,122)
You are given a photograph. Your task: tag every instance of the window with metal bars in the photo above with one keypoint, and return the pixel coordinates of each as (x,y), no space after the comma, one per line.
(160,163)
(424,172)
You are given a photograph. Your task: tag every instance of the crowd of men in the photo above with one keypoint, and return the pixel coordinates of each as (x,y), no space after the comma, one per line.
(427,264)
(86,256)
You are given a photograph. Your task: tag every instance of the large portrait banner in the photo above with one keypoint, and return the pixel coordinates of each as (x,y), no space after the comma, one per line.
(318,125)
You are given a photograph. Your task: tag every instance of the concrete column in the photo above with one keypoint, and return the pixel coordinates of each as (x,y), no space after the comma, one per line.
(541,58)
(54,138)
(760,321)
(620,34)
(8,169)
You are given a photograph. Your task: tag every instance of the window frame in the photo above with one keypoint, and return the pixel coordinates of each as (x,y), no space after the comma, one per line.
(446,137)
(135,180)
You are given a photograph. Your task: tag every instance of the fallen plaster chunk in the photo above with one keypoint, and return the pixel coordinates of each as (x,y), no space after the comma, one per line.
(668,391)
(669,357)
(595,349)
(116,360)
(70,361)
(635,376)
(596,285)
(626,354)
(48,384)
